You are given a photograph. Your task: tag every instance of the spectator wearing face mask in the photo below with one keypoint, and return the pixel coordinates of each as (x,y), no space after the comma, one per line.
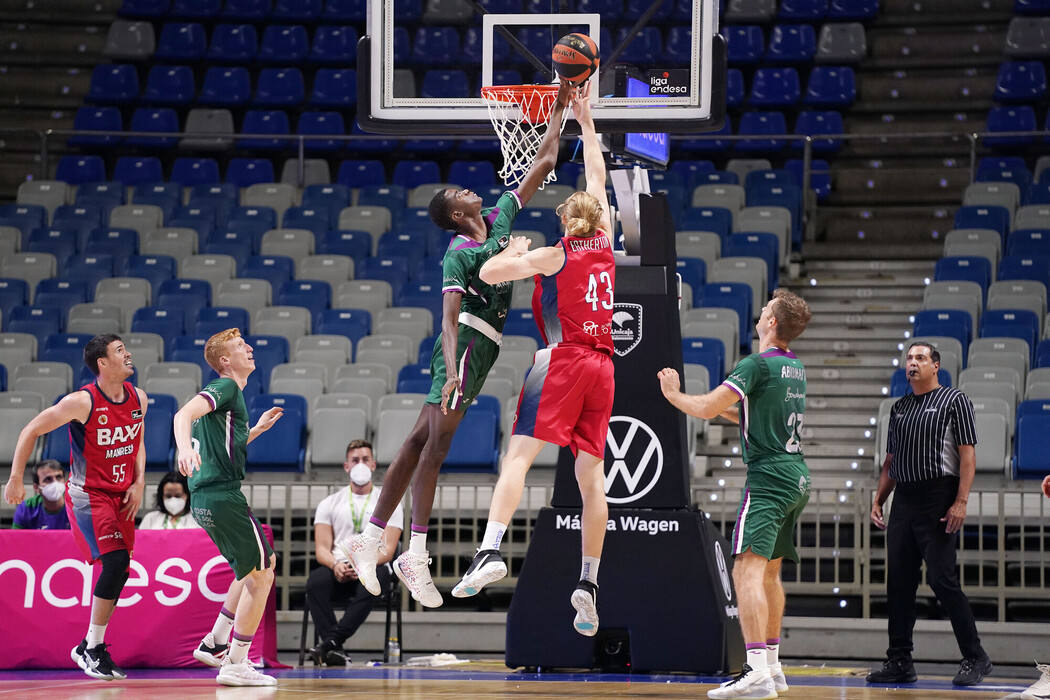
(172,506)
(338,517)
(47,509)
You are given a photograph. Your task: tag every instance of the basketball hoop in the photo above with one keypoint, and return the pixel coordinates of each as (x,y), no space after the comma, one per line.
(519,115)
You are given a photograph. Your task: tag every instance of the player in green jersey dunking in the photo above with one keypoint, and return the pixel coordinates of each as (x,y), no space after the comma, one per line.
(771,388)
(212,436)
(473,314)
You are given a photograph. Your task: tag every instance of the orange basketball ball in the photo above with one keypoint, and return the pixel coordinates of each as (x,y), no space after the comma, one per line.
(575,57)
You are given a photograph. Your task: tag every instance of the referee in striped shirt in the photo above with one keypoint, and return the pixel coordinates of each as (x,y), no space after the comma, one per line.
(930,462)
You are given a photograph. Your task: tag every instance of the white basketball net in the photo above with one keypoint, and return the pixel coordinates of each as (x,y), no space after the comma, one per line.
(519,115)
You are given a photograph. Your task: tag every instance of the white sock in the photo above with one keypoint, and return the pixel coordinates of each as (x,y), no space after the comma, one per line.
(220,631)
(417,543)
(589,570)
(493,535)
(239,646)
(373,531)
(95,634)
(756,658)
(773,653)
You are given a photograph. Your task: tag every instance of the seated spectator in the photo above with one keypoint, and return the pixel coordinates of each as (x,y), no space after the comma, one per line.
(338,517)
(46,510)
(171,509)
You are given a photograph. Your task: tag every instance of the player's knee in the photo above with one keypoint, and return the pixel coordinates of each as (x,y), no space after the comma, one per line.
(114,574)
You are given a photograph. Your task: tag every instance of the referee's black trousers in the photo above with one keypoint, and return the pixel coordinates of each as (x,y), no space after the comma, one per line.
(915,534)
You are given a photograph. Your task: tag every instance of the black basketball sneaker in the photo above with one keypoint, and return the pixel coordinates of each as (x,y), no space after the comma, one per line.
(488,566)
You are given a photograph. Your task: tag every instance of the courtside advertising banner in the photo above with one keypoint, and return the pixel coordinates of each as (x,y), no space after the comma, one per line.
(176,586)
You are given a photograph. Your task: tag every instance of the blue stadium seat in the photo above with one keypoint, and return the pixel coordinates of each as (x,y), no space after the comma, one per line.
(104,194)
(819,176)
(213,319)
(344,11)
(636,8)
(1035,267)
(853,9)
(244,172)
(188,348)
(138,170)
(76,170)
(188,295)
(275,269)
(24,217)
(246,10)
(791,43)
(268,351)
(945,322)
(693,272)
(709,352)
(60,242)
(1031,7)
(334,198)
(358,173)
(830,86)
(1011,323)
(286,44)
(774,87)
(772,194)
(1020,81)
(265,121)
(404,245)
(145,8)
(1005,169)
(170,85)
(729,295)
(334,87)
(263,218)
(1042,353)
(118,244)
(679,47)
(391,269)
(296,10)
(334,45)
(995,218)
(60,294)
(156,269)
(321,124)
(1032,430)
(195,9)
(113,84)
(56,446)
(472,173)
(313,295)
(1011,118)
(689,170)
(233,43)
(158,440)
(38,321)
(356,244)
(282,447)
(181,41)
(279,87)
(190,172)
(226,86)
(1037,193)
(761,123)
(350,323)
(13,292)
(166,321)
(757,245)
(372,147)
(714,219)
(814,123)
(237,244)
(312,219)
(475,446)
(746,44)
(647,43)
(154,119)
(410,173)
(84,217)
(1027,243)
(899,385)
(424,295)
(734,88)
(96,119)
(523,322)
(435,46)
(445,83)
(964,268)
(802,10)
(165,195)
(65,347)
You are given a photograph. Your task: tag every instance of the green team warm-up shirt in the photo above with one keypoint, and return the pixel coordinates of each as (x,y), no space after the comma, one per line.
(772,390)
(465,256)
(221,437)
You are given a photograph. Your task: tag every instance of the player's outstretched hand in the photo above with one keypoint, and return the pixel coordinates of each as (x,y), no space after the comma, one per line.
(446,391)
(1046,486)
(566,89)
(188,462)
(669,381)
(132,500)
(519,245)
(267,419)
(15,491)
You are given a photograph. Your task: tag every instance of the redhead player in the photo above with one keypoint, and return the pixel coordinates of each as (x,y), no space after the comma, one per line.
(567,397)
(107,476)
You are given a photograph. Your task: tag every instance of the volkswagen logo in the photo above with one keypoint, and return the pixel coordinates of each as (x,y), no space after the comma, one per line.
(723,571)
(637,460)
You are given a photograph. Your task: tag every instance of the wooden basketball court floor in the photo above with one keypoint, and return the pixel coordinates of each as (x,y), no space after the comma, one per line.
(472,682)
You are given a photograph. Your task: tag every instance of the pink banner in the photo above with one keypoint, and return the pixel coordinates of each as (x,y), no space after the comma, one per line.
(176,586)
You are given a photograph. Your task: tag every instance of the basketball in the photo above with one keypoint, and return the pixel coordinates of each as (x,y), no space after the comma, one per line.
(575,57)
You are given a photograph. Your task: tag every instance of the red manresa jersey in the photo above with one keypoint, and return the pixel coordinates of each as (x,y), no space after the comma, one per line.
(575,305)
(103,450)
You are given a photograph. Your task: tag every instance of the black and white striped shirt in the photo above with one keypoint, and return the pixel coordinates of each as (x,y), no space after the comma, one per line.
(925,433)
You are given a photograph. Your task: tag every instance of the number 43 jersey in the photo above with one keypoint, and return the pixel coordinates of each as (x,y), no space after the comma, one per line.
(103,449)
(772,390)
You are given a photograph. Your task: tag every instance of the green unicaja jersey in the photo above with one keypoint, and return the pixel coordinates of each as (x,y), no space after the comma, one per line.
(465,256)
(772,390)
(221,436)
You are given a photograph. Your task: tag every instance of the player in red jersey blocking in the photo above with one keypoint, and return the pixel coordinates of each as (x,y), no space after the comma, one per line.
(567,397)
(107,476)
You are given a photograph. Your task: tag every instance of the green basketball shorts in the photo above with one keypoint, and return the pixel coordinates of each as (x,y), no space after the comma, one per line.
(475,355)
(774,496)
(225,516)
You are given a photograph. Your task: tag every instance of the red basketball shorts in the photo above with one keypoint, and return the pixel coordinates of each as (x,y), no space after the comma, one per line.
(96,521)
(567,398)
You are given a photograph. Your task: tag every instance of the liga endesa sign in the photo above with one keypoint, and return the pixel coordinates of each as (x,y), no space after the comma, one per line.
(176,586)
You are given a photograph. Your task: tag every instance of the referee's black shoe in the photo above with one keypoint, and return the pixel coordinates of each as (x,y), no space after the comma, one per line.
(894,670)
(973,671)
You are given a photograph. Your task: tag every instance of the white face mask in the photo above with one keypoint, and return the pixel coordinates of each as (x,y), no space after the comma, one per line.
(53,491)
(360,474)
(174,506)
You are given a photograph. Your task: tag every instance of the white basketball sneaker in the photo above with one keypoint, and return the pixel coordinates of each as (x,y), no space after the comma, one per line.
(414,571)
(210,653)
(488,567)
(749,685)
(780,681)
(363,553)
(585,600)
(242,674)
(1040,690)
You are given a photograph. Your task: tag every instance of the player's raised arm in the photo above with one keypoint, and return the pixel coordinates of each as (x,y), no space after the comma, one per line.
(593,160)
(547,153)
(75,406)
(187,458)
